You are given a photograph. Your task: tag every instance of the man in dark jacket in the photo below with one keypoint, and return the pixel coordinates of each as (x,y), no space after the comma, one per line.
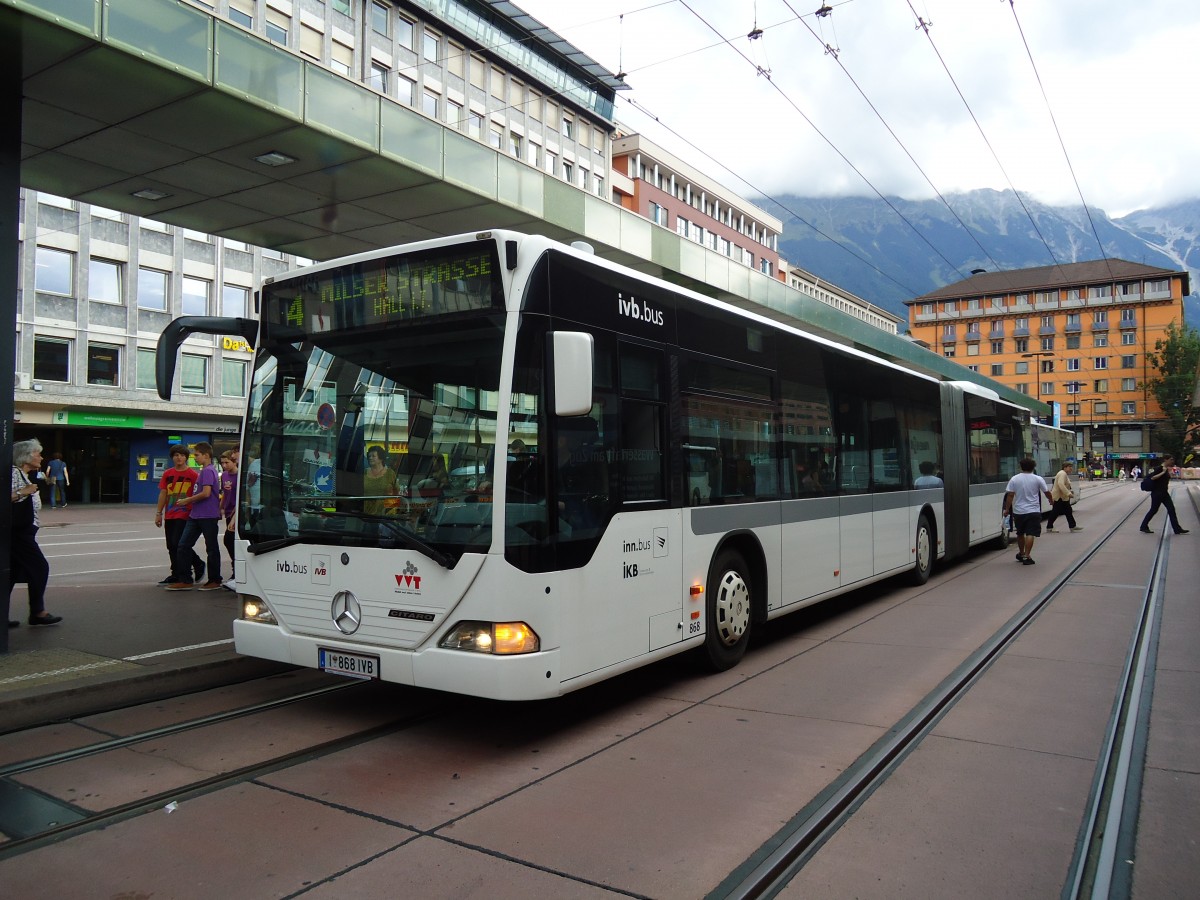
(1159,496)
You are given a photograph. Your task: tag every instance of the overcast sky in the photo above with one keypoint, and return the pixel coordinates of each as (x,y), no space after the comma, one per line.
(1119,75)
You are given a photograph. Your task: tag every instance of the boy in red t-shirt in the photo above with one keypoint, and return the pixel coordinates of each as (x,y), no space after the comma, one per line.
(176,482)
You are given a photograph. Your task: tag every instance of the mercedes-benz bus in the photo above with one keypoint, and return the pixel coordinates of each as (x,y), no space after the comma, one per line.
(498,465)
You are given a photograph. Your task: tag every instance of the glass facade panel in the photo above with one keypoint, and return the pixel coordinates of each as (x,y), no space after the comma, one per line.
(259,72)
(173,33)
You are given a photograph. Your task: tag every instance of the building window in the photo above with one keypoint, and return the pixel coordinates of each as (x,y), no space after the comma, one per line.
(244,19)
(429,103)
(454,114)
(1128,407)
(1128,318)
(145,369)
(1128,338)
(1128,362)
(997,370)
(234,300)
(1072,387)
(380,19)
(193,373)
(973,368)
(55,272)
(195,296)
(1047,343)
(1022,388)
(1101,362)
(1100,385)
(1021,368)
(378,78)
(152,289)
(1072,365)
(475,125)
(1100,316)
(514,144)
(568,128)
(233,378)
(1100,408)
(997,346)
(406,90)
(568,173)
(342,6)
(1047,387)
(1100,339)
(1047,365)
(404,32)
(948,352)
(948,333)
(276,30)
(429,47)
(104,365)
(1072,342)
(455,59)
(104,281)
(1129,384)
(1072,320)
(1021,345)
(1073,410)
(551,162)
(51,360)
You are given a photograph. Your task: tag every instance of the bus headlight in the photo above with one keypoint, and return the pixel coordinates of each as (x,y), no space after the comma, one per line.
(255,610)
(499,638)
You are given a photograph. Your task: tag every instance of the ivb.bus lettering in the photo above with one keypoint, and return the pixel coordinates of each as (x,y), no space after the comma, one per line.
(641,311)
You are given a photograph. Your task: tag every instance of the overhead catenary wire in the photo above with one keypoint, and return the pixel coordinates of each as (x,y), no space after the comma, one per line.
(924,24)
(792,103)
(1058,134)
(946,203)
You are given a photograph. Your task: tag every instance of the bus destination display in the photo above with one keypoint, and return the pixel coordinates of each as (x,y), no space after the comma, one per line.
(388,290)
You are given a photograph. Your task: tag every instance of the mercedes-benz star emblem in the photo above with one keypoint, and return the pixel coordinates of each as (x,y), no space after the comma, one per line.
(346,613)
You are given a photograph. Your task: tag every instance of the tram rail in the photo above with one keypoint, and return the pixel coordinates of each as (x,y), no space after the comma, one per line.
(1113,800)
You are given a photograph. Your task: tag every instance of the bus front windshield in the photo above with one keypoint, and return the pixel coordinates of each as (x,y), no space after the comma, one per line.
(364,424)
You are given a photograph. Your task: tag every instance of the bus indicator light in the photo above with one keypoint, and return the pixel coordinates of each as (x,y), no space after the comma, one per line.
(695,613)
(696,590)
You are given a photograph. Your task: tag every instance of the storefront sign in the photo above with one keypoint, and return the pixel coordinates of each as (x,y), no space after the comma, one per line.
(97,420)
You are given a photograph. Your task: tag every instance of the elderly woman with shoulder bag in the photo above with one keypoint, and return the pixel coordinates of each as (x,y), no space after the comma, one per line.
(26,562)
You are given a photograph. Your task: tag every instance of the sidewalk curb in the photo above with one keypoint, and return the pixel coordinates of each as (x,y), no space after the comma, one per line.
(35,706)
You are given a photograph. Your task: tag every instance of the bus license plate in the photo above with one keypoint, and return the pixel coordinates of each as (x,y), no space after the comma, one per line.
(354,665)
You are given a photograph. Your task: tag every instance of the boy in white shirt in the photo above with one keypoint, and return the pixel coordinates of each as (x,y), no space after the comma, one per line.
(1023,501)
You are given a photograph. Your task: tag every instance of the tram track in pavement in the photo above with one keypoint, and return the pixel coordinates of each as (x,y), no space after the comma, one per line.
(1106,833)
(33,818)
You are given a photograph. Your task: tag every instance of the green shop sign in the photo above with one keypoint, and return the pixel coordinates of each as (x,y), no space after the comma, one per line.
(96,420)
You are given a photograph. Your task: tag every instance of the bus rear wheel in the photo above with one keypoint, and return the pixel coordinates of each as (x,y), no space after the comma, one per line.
(728,607)
(924,551)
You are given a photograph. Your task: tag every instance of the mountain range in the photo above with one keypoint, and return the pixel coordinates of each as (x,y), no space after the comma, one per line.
(889,252)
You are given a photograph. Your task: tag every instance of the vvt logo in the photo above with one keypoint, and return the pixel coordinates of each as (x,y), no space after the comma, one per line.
(641,311)
(408,581)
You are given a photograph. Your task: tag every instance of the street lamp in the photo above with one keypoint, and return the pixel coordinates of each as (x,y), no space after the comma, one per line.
(1038,374)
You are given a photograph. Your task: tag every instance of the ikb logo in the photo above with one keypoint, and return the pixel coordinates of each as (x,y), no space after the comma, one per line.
(660,543)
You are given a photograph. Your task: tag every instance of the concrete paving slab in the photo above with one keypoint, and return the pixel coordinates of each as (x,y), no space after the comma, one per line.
(942,626)
(1174,742)
(465,763)
(1050,706)
(867,684)
(433,869)
(1167,854)
(663,814)
(218,846)
(958,819)
(1102,638)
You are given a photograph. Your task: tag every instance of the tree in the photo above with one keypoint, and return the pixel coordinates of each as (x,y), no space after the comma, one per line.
(1176,360)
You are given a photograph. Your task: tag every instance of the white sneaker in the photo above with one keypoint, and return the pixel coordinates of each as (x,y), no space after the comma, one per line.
(1077,528)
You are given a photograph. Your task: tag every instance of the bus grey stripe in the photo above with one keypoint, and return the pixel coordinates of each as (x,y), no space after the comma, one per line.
(811,510)
(719,519)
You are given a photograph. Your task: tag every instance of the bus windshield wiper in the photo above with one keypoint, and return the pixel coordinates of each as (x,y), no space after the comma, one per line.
(408,537)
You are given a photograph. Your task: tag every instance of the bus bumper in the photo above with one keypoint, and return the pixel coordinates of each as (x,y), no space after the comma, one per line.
(531,676)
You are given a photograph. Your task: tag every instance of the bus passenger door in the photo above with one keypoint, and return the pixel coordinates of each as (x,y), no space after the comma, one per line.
(856,522)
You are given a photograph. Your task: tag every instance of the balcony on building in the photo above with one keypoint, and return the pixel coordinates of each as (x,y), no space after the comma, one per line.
(973,332)
(1047,329)
(1099,326)
(997,331)
(1073,327)
(1020,331)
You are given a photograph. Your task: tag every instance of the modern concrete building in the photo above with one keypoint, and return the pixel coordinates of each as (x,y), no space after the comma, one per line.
(96,287)
(827,292)
(1074,335)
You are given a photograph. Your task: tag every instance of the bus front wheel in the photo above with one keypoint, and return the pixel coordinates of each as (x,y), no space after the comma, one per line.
(728,608)
(924,551)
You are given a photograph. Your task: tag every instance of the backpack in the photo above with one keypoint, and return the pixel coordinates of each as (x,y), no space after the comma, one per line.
(1148,483)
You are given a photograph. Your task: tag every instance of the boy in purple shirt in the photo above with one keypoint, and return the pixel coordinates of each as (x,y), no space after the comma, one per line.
(229,480)
(204,507)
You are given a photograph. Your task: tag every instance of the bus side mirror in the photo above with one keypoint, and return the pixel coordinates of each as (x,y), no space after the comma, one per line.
(572,353)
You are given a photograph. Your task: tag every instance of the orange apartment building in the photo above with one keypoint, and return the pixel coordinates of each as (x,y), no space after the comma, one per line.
(1074,335)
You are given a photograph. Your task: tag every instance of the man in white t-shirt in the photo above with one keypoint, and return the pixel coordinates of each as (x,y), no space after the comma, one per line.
(1023,501)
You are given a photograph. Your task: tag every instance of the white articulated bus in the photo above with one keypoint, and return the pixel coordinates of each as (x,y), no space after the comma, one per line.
(497,465)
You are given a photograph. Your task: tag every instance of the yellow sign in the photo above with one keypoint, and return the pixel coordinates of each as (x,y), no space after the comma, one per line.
(232,343)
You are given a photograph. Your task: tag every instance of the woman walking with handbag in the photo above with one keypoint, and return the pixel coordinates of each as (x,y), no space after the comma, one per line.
(27,562)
